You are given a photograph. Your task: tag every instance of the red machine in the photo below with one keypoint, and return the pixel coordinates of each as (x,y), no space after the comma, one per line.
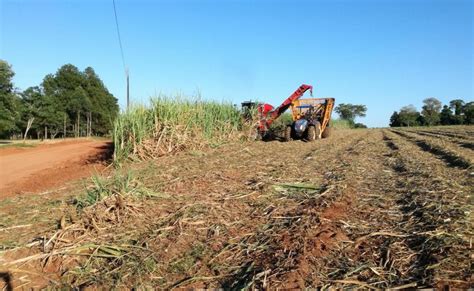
(310,116)
(267,114)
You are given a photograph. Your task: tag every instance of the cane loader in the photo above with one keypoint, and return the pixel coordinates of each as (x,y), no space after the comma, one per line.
(310,116)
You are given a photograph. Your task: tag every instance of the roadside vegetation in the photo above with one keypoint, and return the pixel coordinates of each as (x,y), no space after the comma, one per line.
(17,144)
(69,103)
(171,124)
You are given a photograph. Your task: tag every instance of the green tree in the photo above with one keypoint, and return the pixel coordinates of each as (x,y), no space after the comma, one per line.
(69,99)
(79,105)
(446,116)
(350,111)
(458,106)
(431,110)
(360,125)
(51,116)
(8,111)
(468,110)
(395,120)
(105,104)
(31,100)
(420,120)
(84,99)
(409,116)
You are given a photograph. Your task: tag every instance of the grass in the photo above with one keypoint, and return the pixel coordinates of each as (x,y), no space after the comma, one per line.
(340,124)
(16,144)
(281,123)
(169,125)
(120,184)
(30,143)
(184,264)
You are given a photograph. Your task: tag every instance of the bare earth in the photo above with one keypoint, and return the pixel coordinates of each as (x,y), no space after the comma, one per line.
(24,170)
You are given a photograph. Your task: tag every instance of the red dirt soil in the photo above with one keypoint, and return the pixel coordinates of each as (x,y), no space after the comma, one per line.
(47,166)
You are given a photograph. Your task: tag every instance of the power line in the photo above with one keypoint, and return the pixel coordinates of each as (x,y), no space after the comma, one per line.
(121,52)
(119,38)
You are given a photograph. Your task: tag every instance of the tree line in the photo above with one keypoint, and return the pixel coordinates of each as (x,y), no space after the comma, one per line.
(69,103)
(349,112)
(433,112)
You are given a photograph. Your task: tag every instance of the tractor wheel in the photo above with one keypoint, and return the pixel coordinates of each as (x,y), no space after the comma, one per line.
(327,132)
(314,131)
(255,135)
(311,135)
(288,131)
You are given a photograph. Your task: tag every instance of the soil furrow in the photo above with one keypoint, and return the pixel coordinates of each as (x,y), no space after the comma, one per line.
(453,157)
(432,215)
(379,246)
(462,135)
(398,236)
(457,141)
(307,236)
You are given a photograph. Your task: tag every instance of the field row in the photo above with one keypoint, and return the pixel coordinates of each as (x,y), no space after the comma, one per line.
(455,153)
(364,208)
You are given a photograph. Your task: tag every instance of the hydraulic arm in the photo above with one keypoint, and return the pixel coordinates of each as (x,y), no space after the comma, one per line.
(268,114)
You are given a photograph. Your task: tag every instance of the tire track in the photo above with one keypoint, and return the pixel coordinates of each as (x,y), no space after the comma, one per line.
(464,135)
(399,223)
(410,206)
(305,226)
(457,141)
(385,243)
(374,223)
(434,211)
(451,158)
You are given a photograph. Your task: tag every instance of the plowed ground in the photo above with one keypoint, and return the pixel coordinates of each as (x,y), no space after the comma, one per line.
(365,208)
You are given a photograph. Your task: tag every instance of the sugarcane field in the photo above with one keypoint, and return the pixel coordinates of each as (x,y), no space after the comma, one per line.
(236,145)
(371,207)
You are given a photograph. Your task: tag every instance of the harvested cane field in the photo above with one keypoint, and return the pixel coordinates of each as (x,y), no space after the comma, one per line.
(369,208)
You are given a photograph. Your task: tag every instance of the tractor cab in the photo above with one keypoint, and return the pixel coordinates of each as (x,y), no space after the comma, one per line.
(311,118)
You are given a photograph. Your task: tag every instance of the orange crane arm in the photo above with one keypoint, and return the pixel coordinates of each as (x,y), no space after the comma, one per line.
(269,116)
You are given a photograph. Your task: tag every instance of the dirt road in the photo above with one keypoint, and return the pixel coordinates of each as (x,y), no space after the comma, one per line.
(49,165)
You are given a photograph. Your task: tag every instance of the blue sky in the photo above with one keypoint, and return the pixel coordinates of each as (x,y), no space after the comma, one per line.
(384,54)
